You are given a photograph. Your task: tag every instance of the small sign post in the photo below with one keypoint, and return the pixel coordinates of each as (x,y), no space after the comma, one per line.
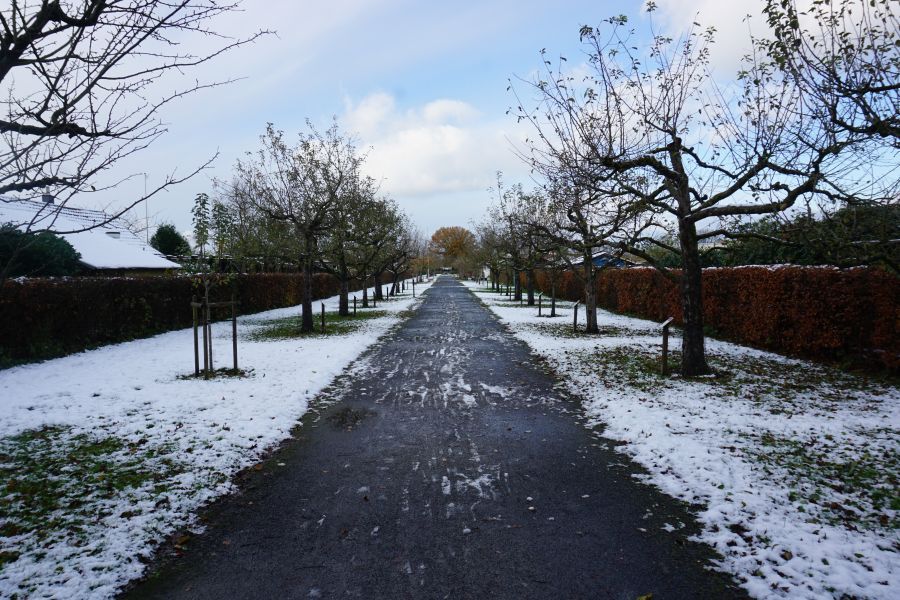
(575,317)
(665,345)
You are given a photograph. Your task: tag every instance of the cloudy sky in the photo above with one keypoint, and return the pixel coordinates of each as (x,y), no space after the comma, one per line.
(422,84)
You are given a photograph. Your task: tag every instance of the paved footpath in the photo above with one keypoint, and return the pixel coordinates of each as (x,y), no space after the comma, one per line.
(445,465)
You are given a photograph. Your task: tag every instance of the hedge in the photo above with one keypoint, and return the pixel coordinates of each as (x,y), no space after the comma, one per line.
(43,318)
(816,312)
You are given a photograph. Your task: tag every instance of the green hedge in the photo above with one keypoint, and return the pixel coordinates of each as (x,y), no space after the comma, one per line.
(44,318)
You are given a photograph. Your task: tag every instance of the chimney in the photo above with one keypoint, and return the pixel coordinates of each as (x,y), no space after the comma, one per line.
(47,198)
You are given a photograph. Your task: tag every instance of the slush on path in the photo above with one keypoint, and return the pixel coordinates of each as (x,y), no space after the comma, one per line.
(445,464)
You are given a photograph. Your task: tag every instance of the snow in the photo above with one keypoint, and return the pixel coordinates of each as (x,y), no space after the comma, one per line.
(208,430)
(108,245)
(100,250)
(754,451)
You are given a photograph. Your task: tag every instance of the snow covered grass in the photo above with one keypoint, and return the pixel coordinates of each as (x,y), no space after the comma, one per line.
(793,466)
(105,453)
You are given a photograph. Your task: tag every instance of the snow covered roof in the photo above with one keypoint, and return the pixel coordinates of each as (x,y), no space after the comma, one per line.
(109,245)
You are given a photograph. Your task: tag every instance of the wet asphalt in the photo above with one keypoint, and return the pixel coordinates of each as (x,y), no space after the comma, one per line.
(445,464)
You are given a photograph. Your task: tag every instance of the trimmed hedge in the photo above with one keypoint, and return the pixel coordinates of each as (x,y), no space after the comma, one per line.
(43,318)
(815,312)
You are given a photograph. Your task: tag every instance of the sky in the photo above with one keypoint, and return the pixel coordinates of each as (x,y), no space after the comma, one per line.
(421,85)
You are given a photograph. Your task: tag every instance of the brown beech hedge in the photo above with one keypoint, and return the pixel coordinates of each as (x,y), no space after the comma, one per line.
(816,312)
(42,318)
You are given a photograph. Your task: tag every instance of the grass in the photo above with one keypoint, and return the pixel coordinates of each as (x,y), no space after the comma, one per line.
(55,480)
(562,328)
(289,327)
(220,373)
(779,385)
(867,479)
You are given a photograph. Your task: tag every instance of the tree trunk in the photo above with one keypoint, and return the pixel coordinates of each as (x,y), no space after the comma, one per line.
(379,294)
(344,298)
(693,351)
(306,323)
(590,297)
(365,298)
(395,288)
(517,287)
(529,285)
(553,295)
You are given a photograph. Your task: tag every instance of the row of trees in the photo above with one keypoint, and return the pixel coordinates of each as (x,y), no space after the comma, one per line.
(648,155)
(307,202)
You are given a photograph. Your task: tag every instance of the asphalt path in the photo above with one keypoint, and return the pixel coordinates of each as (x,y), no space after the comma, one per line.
(445,464)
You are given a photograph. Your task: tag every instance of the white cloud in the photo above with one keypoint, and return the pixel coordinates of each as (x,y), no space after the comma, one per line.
(733,29)
(442,146)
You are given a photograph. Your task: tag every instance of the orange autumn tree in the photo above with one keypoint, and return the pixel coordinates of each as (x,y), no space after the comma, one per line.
(454,247)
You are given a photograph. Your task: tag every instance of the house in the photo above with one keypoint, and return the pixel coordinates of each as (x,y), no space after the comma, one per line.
(106,246)
(605,258)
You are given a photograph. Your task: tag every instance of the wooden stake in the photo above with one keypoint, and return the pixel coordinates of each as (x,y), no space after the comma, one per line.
(212,369)
(196,346)
(234,331)
(665,345)
(575,317)
(205,342)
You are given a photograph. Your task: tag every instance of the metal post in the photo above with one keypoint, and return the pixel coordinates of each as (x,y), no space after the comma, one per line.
(354,305)
(540,303)
(414,288)
(323,317)
(575,317)
(665,345)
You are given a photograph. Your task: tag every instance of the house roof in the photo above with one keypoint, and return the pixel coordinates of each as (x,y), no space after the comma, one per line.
(602,256)
(109,245)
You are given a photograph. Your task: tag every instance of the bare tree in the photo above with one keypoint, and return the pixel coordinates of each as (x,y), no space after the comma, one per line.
(301,185)
(649,131)
(573,224)
(514,214)
(81,84)
(350,229)
(844,55)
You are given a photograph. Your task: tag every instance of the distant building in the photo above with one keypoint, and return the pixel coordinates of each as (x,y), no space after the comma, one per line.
(108,247)
(604,258)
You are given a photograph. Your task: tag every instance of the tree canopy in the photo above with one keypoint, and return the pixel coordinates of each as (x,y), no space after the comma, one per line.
(37,254)
(168,241)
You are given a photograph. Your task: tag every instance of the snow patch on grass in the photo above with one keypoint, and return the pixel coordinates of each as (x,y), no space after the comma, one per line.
(105,453)
(794,465)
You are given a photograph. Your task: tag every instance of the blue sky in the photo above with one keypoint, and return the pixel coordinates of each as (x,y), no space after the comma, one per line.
(421,83)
